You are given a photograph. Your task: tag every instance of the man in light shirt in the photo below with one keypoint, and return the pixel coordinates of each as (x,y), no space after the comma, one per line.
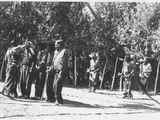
(59,66)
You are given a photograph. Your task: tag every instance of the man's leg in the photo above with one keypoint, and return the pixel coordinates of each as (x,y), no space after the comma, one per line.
(57,87)
(10,82)
(37,86)
(125,88)
(59,92)
(42,82)
(29,84)
(50,90)
(130,86)
(23,79)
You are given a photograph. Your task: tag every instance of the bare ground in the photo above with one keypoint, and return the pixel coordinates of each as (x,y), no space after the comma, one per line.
(80,104)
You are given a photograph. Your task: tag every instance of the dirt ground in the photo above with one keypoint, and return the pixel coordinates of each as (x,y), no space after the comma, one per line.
(82,105)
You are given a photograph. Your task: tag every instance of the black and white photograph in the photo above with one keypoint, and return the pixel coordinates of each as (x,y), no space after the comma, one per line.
(79,60)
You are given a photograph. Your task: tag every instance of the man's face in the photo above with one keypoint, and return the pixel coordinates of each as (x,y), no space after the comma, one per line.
(57,46)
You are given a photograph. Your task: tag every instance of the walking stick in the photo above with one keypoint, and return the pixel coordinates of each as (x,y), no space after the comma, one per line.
(104,70)
(114,75)
(75,71)
(44,94)
(157,75)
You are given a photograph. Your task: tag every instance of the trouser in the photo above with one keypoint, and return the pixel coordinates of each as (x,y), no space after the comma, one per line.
(93,79)
(92,85)
(49,89)
(128,85)
(40,82)
(11,80)
(25,81)
(145,80)
(57,86)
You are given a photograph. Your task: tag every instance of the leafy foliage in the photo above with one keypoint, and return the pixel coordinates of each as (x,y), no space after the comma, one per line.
(129,24)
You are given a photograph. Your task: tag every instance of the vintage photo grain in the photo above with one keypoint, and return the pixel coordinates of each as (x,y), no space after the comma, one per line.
(79,60)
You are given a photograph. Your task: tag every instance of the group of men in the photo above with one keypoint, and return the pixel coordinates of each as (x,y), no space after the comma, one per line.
(25,64)
(46,67)
(134,71)
(137,71)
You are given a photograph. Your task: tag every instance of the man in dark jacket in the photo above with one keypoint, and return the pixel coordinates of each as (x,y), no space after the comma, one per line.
(41,70)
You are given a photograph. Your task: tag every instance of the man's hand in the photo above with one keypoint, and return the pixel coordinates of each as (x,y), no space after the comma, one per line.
(88,70)
(49,68)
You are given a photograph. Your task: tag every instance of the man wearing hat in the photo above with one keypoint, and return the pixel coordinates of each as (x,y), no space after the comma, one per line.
(59,67)
(129,73)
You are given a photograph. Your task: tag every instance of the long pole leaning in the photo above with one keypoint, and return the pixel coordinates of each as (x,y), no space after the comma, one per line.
(104,70)
(44,93)
(75,71)
(157,75)
(121,78)
(114,75)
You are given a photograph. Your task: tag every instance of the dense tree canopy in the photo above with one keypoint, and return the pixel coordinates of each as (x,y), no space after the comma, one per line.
(118,23)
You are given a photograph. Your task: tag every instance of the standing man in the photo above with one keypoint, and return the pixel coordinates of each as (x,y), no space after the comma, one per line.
(11,70)
(49,75)
(41,68)
(129,75)
(59,67)
(145,73)
(93,71)
(26,68)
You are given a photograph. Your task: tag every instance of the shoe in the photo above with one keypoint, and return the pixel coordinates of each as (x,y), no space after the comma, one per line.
(58,103)
(130,96)
(43,99)
(26,97)
(12,95)
(125,95)
(50,100)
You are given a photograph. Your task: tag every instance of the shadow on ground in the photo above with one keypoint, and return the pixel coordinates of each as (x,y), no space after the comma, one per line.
(70,103)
